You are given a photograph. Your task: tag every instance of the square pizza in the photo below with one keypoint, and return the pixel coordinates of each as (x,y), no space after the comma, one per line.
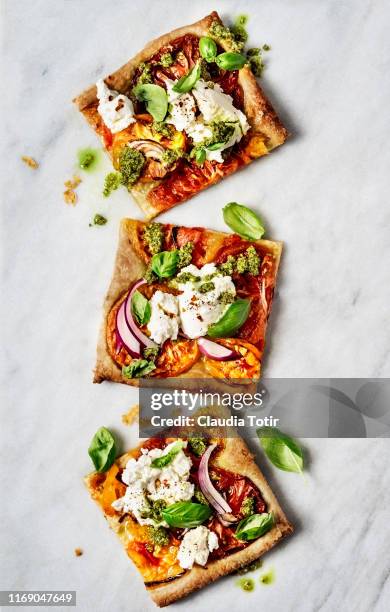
(181,115)
(188,511)
(186,302)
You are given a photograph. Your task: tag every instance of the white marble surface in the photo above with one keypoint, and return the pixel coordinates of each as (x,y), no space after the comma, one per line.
(325,194)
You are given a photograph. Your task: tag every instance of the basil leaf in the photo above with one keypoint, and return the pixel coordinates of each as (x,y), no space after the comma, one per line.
(138,368)
(243,221)
(234,318)
(200,156)
(102,449)
(186,514)
(164,264)
(160,462)
(187,82)
(254,526)
(231,61)
(215,146)
(283,451)
(207,48)
(141,308)
(155,98)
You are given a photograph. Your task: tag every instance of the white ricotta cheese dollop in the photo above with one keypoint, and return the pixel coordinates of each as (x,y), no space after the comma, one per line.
(196,546)
(164,320)
(215,105)
(199,310)
(144,482)
(115,109)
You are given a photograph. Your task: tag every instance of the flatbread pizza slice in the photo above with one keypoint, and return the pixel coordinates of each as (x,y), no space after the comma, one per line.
(186,302)
(175,123)
(189,511)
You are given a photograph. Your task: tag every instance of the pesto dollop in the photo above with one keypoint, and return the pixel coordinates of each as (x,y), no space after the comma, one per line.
(131,163)
(165,129)
(99,220)
(87,159)
(166,60)
(248,507)
(112,181)
(247,584)
(222,32)
(154,237)
(145,74)
(244,262)
(197,445)
(158,535)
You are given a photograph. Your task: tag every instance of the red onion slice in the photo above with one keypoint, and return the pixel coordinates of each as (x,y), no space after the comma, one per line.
(144,340)
(207,487)
(125,336)
(216,351)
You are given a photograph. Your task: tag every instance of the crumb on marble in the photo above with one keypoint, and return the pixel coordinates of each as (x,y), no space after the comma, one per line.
(131,415)
(78,552)
(30,162)
(70,195)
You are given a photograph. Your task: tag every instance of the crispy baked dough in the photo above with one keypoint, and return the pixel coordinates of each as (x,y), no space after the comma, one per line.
(236,458)
(128,268)
(260,113)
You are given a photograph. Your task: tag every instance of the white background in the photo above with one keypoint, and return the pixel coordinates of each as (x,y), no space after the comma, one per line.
(324,193)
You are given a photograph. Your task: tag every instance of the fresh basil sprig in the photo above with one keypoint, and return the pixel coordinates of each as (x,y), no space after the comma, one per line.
(138,368)
(283,451)
(141,308)
(102,449)
(155,98)
(188,81)
(164,264)
(254,526)
(231,61)
(200,156)
(207,48)
(160,462)
(186,514)
(243,221)
(234,318)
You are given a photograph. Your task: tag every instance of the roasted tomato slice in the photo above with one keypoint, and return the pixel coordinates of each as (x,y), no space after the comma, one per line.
(112,490)
(176,357)
(246,366)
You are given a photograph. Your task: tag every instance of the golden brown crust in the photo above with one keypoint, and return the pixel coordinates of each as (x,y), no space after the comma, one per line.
(258,109)
(128,268)
(236,458)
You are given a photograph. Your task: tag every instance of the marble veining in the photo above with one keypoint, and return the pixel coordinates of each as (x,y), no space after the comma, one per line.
(324,193)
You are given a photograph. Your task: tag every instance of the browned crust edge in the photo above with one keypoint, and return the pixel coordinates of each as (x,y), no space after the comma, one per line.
(257,107)
(237,458)
(128,268)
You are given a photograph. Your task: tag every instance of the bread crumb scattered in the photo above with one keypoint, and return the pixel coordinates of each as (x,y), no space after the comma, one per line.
(78,552)
(131,415)
(70,195)
(30,161)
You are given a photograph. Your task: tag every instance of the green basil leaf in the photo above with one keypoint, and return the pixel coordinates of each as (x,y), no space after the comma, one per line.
(138,368)
(207,48)
(160,462)
(283,451)
(141,308)
(164,264)
(188,81)
(102,449)
(215,146)
(234,318)
(155,98)
(186,514)
(254,526)
(200,156)
(243,221)
(231,61)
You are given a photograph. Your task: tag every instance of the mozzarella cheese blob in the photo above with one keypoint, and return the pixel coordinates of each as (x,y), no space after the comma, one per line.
(145,482)
(214,105)
(199,310)
(164,320)
(196,546)
(116,110)
(192,310)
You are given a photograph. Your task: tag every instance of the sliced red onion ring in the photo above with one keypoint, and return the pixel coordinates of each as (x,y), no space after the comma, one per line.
(144,340)
(125,336)
(207,487)
(216,351)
